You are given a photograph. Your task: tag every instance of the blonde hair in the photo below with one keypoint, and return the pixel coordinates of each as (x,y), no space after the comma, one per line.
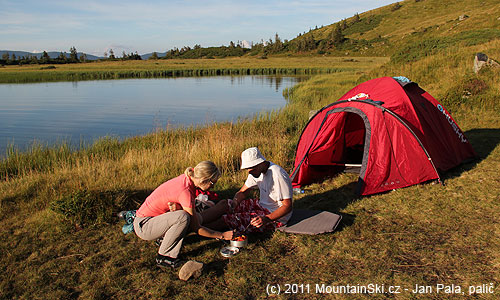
(204,171)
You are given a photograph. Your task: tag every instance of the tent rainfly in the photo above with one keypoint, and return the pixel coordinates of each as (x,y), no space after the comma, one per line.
(389,130)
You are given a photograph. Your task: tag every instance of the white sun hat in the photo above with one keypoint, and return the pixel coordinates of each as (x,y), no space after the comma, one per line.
(251,157)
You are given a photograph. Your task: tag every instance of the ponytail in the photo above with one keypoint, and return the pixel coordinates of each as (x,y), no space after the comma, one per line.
(189,172)
(204,171)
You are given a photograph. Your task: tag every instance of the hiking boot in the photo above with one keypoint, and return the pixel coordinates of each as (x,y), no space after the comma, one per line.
(166,261)
(127,228)
(127,215)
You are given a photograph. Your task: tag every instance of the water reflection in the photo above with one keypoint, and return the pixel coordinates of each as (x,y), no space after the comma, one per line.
(87,110)
(271,81)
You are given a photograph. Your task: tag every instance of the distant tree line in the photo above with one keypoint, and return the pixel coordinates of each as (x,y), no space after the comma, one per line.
(303,43)
(110,55)
(63,58)
(335,40)
(322,40)
(199,52)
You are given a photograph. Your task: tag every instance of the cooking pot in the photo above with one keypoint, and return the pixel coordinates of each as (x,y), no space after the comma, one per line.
(239,243)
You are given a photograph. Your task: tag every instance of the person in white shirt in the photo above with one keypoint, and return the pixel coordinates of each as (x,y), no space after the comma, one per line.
(273,208)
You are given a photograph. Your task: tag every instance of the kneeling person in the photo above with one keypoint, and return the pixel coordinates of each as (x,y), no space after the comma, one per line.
(169,212)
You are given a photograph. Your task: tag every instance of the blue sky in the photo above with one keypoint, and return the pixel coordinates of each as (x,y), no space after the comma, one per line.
(145,26)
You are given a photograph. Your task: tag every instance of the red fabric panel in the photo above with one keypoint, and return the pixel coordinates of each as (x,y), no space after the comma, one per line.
(328,146)
(390,92)
(442,137)
(320,150)
(395,158)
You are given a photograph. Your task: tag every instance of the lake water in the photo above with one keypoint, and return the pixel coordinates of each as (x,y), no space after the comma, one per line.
(84,111)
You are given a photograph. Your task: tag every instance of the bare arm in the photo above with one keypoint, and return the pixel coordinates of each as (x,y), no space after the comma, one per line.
(283,210)
(275,215)
(203,231)
(240,195)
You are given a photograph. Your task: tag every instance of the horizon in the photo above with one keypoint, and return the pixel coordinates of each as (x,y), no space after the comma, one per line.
(125,26)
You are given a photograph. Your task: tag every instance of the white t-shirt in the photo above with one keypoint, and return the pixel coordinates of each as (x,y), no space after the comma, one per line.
(274,186)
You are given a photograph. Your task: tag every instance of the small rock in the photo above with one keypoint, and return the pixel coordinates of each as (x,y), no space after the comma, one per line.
(482,57)
(481,60)
(463,17)
(190,269)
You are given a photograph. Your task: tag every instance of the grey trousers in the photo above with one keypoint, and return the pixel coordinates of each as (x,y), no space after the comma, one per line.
(172,226)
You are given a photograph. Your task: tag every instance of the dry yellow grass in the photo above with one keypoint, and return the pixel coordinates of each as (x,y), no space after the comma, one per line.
(185,67)
(426,234)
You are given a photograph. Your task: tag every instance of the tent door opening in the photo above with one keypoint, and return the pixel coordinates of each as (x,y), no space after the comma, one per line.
(341,145)
(350,145)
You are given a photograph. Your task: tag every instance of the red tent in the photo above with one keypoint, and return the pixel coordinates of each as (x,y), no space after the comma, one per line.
(389,130)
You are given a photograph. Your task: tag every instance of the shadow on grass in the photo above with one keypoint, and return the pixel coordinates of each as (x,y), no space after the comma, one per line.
(483,141)
(135,198)
(218,264)
(193,238)
(333,201)
(128,200)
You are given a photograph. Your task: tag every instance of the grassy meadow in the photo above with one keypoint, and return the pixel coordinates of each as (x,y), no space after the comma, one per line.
(186,67)
(59,238)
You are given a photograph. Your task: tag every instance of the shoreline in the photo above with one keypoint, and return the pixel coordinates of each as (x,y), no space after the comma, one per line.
(186,68)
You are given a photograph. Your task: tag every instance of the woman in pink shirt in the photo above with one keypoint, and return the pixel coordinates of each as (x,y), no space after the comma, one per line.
(161,216)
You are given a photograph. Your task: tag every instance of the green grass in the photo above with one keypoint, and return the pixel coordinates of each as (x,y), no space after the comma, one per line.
(386,31)
(430,46)
(59,239)
(183,67)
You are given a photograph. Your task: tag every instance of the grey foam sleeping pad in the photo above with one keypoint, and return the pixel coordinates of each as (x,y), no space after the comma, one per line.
(305,221)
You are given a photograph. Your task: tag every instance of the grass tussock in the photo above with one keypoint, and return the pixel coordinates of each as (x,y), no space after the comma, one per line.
(59,238)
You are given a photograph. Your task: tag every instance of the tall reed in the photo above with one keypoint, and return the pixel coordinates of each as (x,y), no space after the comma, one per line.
(179,67)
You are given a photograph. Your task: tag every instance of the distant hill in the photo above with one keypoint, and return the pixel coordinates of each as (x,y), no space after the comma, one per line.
(404,30)
(52,54)
(148,55)
(404,26)
(55,54)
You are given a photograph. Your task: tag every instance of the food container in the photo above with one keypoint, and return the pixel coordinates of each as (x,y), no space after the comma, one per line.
(239,241)
(229,251)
